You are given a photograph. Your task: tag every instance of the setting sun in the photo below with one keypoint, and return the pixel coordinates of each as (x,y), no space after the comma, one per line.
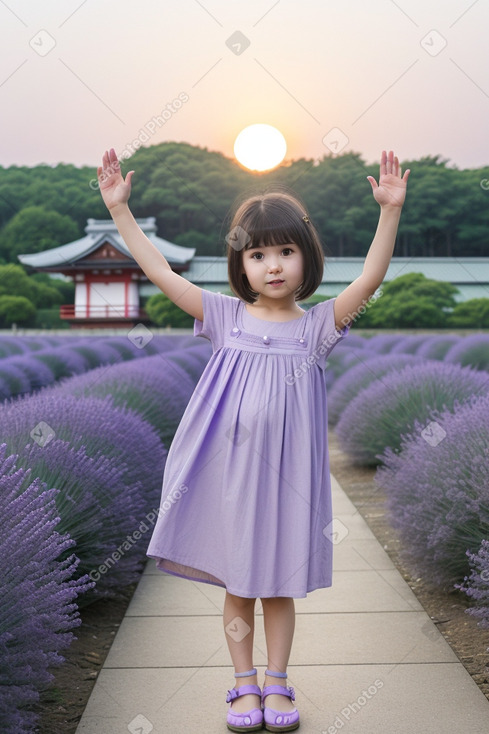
(260,147)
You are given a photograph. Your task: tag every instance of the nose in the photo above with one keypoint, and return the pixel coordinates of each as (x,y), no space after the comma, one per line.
(273,263)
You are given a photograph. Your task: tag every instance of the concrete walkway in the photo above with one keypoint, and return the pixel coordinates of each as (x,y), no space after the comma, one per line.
(366,656)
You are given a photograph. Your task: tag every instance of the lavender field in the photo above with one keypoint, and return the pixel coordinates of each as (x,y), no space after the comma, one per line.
(86,426)
(417,409)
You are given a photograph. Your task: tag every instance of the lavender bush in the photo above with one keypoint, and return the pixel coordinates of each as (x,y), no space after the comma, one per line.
(9,346)
(98,508)
(367,368)
(341,359)
(37,608)
(105,463)
(192,359)
(409,344)
(438,490)
(39,362)
(156,388)
(15,379)
(476,586)
(354,341)
(383,343)
(389,407)
(436,347)
(97,353)
(471,350)
(96,424)
(37,373)
(63,363)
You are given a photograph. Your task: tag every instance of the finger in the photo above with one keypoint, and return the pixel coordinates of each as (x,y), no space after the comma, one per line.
(373,182)
(114,161)
(396,166)
(383,160)
(105,160)
(406,175)
(129,177)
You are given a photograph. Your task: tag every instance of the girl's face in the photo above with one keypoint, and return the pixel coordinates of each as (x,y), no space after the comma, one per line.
(285,263)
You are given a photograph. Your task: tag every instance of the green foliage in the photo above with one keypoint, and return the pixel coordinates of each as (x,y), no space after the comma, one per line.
(14,281)
(49,318)
(16,309)
(190,190)
(473,314)
(410,301)
(163,312)
(65,288)
(35,229)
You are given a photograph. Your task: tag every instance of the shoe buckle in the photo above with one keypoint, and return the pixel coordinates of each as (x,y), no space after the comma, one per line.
(232,694)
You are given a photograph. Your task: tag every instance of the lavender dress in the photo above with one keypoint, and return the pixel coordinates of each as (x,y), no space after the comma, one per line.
(246,500)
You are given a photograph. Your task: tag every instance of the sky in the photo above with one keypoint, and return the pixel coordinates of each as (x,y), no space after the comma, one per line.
(80,76)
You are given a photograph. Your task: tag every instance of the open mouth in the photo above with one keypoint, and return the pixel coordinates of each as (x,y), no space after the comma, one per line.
(275,282)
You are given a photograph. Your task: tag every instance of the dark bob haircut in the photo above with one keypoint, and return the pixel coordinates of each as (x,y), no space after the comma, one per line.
(273,218)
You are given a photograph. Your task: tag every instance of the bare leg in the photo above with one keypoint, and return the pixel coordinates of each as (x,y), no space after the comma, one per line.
(239,614)
(279,621)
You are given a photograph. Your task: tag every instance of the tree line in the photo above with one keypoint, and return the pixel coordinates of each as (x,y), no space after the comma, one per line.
(190,191)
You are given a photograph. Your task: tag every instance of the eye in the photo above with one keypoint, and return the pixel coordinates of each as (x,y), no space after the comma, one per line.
(287,249)
(256,253)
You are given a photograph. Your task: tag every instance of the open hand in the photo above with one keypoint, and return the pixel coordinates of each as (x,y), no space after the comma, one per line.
(391,189)
(114,189)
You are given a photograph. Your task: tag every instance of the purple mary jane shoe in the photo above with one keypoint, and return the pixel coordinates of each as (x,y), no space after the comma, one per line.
(278,721)
(249,720)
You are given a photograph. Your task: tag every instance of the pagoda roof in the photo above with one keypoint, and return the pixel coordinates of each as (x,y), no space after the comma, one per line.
(99,231)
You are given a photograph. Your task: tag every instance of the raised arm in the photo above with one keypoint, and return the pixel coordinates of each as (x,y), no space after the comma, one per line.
(115,193)
(390,194)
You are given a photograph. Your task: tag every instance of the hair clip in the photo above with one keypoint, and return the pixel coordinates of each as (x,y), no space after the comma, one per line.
(306,219)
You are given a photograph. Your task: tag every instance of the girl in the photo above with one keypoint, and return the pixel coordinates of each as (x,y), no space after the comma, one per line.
(248,469)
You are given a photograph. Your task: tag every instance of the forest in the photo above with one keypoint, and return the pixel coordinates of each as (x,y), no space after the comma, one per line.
(190,190)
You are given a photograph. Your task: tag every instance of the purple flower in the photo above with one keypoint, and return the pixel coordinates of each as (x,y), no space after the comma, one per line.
(157,388)
(436,347)
(15,379)
(364,369)
(383,343)
(97,506)
(96,424)
(471,350)
(409,344)
(37,609)
(476,586)
(38,373)
(388,408)
(343,357)
(438,489)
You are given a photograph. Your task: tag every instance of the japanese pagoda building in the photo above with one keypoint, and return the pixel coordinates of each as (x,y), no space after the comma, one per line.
(108,281)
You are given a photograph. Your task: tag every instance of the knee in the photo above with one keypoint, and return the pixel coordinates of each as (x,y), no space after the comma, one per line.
(240,602)
(277,601)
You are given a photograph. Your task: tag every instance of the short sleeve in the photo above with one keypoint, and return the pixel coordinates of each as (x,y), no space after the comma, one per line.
(218,317)
(325,334)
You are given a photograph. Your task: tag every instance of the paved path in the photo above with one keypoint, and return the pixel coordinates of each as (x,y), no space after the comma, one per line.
(366,656)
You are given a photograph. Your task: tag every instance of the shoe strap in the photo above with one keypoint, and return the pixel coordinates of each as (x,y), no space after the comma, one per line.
(280,690)
(242,691)
(247,674)
(275,674)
